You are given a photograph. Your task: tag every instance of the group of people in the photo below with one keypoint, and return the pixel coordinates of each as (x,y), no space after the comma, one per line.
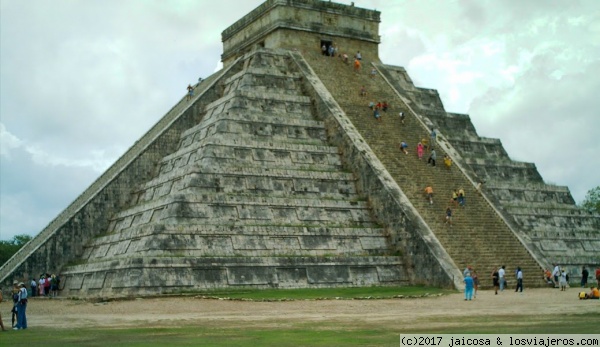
(19,309)
(471,280)
(377,107)
(423,146)
(47,285)
(499,279)
(458,197)
(331,50)
(559,278)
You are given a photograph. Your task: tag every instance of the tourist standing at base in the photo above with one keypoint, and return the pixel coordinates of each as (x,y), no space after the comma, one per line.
(556,275)
(420,150)
(563,280)
(468,286)
(34,289)
(495,280)
(519,280)
(501,275)
(475,278)
(21,308)
(584,277)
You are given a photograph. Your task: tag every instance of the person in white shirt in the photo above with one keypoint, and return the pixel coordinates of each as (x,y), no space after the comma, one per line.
(563,279)
(556,274)
(33,285)
(501,273)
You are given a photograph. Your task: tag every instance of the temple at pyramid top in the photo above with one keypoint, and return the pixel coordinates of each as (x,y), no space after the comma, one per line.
(292,24)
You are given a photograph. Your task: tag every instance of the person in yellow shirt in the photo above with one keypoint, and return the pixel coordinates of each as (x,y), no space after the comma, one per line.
(593,294)
(447,162)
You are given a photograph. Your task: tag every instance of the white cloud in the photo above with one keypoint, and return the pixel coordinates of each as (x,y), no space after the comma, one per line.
(8,141)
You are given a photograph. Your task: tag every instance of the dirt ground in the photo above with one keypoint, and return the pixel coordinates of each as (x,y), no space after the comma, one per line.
(384,313)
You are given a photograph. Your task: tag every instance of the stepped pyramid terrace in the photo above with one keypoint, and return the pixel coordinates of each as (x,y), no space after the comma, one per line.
(274,175)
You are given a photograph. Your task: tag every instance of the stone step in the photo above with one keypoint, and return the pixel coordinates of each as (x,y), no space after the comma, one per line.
(238,230)
(476,224)
(127,276)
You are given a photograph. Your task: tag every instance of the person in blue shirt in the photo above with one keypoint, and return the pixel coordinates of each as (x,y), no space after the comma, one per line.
(468,286)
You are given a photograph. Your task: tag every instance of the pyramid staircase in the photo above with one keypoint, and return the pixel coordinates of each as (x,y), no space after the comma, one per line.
(544,216)
(253,196)
(478,236)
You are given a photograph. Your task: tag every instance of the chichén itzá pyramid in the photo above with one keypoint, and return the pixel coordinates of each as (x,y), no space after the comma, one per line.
(275,175)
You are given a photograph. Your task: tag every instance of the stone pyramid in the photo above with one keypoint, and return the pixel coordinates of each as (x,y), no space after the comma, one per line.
(273,176)
(252,196)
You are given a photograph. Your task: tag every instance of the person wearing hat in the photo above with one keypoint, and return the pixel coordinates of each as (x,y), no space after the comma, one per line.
(21,308)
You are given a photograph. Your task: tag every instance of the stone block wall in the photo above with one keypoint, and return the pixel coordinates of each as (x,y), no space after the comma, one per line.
(252,196)
(292,24)
(62,241)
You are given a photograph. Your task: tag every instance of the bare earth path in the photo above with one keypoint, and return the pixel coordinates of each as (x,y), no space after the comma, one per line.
(389,313)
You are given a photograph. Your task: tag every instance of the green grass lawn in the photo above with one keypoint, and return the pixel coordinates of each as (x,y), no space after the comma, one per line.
(313,334)
(282,332)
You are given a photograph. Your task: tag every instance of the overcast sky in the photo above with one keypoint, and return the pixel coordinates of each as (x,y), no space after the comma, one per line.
(81,81)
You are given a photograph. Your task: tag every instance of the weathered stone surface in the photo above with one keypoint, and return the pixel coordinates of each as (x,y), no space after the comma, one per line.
(263,181)
(302,23)
(542,214)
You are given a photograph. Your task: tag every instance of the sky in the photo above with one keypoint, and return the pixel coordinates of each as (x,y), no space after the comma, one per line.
(81,81)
